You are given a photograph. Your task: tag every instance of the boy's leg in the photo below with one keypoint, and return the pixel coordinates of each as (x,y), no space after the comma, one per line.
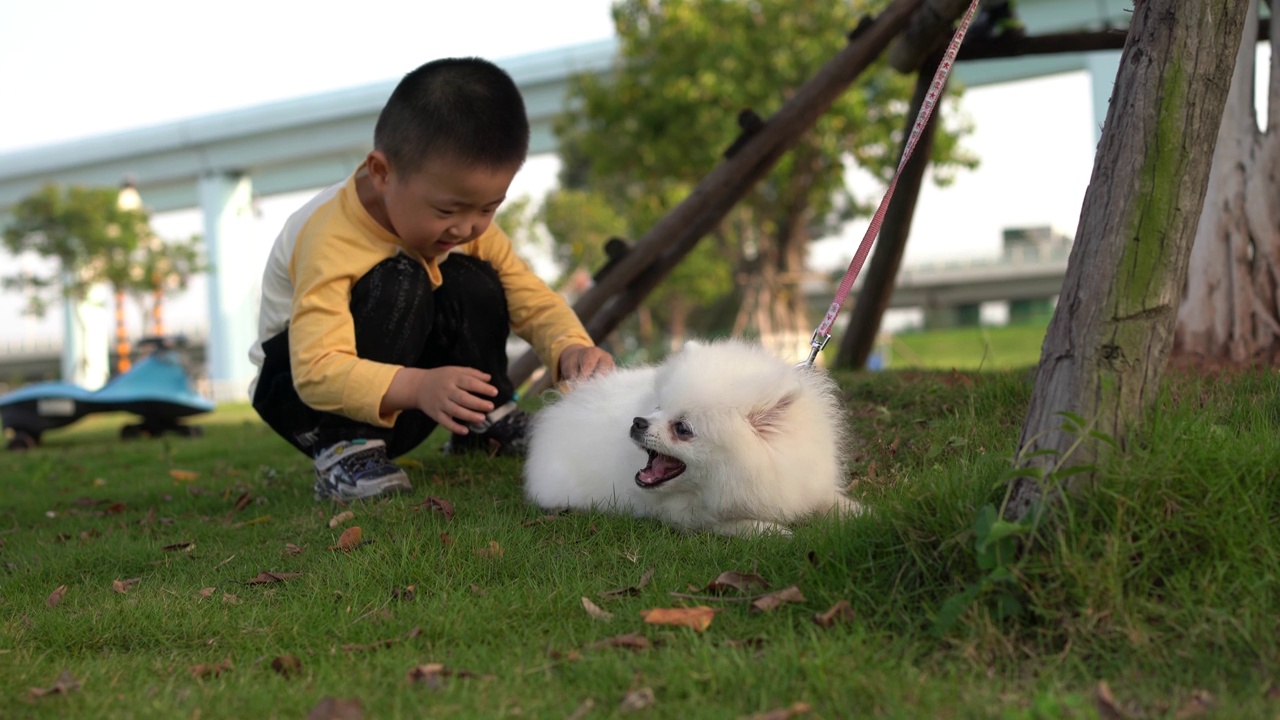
(471,328)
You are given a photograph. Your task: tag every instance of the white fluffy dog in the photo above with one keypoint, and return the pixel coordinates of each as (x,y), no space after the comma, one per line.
(723,437)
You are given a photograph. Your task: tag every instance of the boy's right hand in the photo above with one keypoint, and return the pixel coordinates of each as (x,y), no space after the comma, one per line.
(452,395)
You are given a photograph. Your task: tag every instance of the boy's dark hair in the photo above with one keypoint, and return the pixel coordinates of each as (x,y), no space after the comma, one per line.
(467,109)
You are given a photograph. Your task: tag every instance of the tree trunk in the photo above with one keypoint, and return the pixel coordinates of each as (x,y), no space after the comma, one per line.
(1111,334)
(1231,310)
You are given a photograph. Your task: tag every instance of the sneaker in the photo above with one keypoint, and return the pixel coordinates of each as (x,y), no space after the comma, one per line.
(503,433)
(358,470)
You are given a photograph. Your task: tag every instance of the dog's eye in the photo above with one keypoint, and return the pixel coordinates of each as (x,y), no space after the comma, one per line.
(683,431)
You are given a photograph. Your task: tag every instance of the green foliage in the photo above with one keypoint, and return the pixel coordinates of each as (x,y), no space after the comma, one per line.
(83,230)
(641,137)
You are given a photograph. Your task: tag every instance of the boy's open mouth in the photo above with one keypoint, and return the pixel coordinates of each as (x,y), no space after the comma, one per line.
(659,469)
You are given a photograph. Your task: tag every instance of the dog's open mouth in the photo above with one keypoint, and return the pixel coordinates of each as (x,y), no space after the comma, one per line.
(659,469)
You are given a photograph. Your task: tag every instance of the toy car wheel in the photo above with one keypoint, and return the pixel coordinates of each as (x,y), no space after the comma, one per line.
(23,440)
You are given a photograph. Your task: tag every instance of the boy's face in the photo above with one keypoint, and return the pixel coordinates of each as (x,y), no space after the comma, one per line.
(445,204)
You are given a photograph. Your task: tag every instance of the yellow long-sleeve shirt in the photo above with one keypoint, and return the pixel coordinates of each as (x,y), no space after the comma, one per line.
(329,244)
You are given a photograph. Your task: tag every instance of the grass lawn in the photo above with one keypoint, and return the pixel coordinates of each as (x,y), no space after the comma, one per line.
(970,348)
(1164,584)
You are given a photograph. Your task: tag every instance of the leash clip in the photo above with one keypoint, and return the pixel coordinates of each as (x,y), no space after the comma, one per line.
(818,342)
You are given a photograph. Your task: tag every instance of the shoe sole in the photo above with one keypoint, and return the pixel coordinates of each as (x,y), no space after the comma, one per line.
(391,488)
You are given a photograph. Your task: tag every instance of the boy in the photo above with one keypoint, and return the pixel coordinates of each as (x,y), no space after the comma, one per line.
(387,299)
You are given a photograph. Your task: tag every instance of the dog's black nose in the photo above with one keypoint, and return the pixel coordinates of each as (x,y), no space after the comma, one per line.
(639,425)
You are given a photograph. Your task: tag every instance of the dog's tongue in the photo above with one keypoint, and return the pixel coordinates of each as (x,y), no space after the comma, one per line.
(660,469)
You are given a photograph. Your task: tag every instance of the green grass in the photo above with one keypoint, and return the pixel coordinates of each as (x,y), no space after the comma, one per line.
(971,348)
(1162,583)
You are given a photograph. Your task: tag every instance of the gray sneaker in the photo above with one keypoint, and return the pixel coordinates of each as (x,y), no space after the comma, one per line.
(358,470)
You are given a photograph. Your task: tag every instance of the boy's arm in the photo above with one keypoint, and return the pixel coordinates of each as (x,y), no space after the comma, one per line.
(538,313)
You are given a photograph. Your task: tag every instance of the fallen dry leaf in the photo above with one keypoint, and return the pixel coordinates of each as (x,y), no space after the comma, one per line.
(287,665)
(291,549)
(184,546)
(350,539)
(742,582)
(204,670)
(124,586)
(595,610)
(494,550)
(446,539)
(1198,704)
(270,577)
(64,684)
(206,592)
(55,597)
(184,475)
(403,593)
(229,599)
(583,710)
(634,590)
(340,518)
(242,501)
(637,700)
(1106,703)
(699,618)
(630,641)
(796,709)
(440,505)
(774,599)
(432,674)
(337,709)
(840,612)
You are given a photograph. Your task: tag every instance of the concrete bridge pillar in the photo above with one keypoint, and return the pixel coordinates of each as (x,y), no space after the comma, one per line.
(226,200)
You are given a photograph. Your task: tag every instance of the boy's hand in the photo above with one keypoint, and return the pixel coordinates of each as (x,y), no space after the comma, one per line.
(453,395)
(578,362)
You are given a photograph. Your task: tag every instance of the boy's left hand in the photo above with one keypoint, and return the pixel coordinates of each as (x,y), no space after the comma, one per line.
(578,362)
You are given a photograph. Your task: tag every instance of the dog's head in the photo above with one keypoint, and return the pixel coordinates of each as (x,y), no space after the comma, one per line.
(722,409)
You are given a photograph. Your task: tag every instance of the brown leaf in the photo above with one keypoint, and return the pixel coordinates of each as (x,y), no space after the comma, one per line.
(796,709)
(55,597)
(291,549)
(184,546)
(337,709)
(115,508)
(1198,704)
(270,577)
(570,656)
(630,641)
(403,593)
(595,610)
(229,599)
(742,582)
(432,674)
(340,518)
(840,612)
(287,665)
(699,618)
(184,475)
(350,539)
(150,517)
(124,586)
(637,700)
(774,599)
(440,505)
(64,684)
(242,501)
(1106,703)
(206,592)
(494,550)
(632,591)
(446,539)
(583,710)
(204,670)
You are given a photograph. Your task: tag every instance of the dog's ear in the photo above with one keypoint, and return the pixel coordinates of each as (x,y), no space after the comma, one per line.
(768,420)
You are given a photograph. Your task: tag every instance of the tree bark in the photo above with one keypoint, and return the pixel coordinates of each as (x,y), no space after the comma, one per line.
(1231,309)
(1110,336)
(672,237)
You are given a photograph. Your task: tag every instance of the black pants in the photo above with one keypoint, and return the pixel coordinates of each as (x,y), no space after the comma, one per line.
(399,320)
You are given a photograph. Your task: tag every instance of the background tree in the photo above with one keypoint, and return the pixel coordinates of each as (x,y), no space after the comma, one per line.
(1111,333)
(82,230)
(1231,310)
(640,138)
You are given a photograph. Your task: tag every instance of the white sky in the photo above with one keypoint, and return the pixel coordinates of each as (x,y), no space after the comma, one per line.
(76,68)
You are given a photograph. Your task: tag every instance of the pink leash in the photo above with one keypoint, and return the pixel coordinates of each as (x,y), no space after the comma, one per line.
(823,333)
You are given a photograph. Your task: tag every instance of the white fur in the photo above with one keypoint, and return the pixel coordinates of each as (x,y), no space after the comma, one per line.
(762,444)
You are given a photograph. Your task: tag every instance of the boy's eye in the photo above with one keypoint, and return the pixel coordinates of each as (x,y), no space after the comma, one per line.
(444,213)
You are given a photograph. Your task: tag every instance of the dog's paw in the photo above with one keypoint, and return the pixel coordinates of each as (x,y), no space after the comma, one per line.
(747,528)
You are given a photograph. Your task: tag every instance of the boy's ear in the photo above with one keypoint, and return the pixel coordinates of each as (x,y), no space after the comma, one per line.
(379,170)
